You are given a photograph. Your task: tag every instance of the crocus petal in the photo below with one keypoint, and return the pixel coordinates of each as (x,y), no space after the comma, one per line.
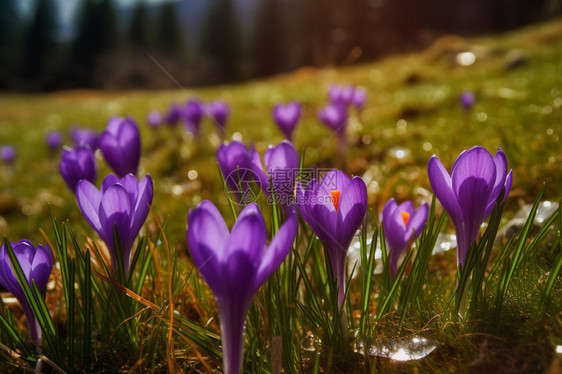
(143,200)
(116,209)
(248,234)
(443,188)
(335,180)
(206,227)
(89,198)
(353,197)
(473,180)
(417,221)
(508,182)
(42,266)
(262,179)
(278,250)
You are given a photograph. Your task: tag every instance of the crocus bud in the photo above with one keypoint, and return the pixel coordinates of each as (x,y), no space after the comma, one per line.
(77,164)
(121,146)
(121,203)
(8,154)
(400,222)
(469,193)
(219,112)
(192,116)
(83,136)
(37,264)
(466,99)
(154,119)
(53,140)
(235,264)
(287,116)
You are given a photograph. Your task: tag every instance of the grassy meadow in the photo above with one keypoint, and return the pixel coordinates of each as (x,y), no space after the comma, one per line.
(412,112)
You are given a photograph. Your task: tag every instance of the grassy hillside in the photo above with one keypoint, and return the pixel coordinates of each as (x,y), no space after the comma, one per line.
(412,111)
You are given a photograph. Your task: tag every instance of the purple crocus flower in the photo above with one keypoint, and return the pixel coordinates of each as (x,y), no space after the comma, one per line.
(121,202)
(235,161)
(359,98)
(37,264)
(466,99)
(192,116)
(53,140)
(287,116)
(400,222)
(121,146)
(334,210)
(334,116)
(85,137)
(469,193)
(173,115)
(8,154)
(77,164)
(219,112)
(282,165)
(154,119)
(235,264)
(341,94)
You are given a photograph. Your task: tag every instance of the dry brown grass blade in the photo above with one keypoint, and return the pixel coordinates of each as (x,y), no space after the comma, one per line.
(128,319)
(197,353)
(130,293)
(170,346)
(158,281)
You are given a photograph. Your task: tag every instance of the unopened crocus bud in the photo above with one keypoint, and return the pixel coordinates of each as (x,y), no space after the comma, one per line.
(121,146)
(219,112)
(287,116)
(36,264)
(8,154)
(77,164)
(53,140)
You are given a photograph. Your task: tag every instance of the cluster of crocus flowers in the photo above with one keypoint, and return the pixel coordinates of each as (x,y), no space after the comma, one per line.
(122,204)
(8,154)
(348,95)
(287,117)
(121,146)
(469,193)
(77,164)
(36,264)
(282,166)
(334,209)
(235,264)
(402,224)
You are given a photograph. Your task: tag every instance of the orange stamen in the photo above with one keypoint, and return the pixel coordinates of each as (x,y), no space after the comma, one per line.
(336,199)
(405,217)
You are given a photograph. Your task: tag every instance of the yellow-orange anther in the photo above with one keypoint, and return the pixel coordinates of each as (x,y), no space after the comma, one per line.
(336,199)
(405,217)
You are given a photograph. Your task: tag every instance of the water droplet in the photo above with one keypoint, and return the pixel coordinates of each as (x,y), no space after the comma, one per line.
(427,146)
(481,117)
(465,58)
(559,349)
(401,125)
(237,136)
(192,175)
(311,343)
(444,243)
(549,131)
(413,348)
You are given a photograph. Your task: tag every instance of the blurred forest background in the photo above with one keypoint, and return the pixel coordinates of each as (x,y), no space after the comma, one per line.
(123,44)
